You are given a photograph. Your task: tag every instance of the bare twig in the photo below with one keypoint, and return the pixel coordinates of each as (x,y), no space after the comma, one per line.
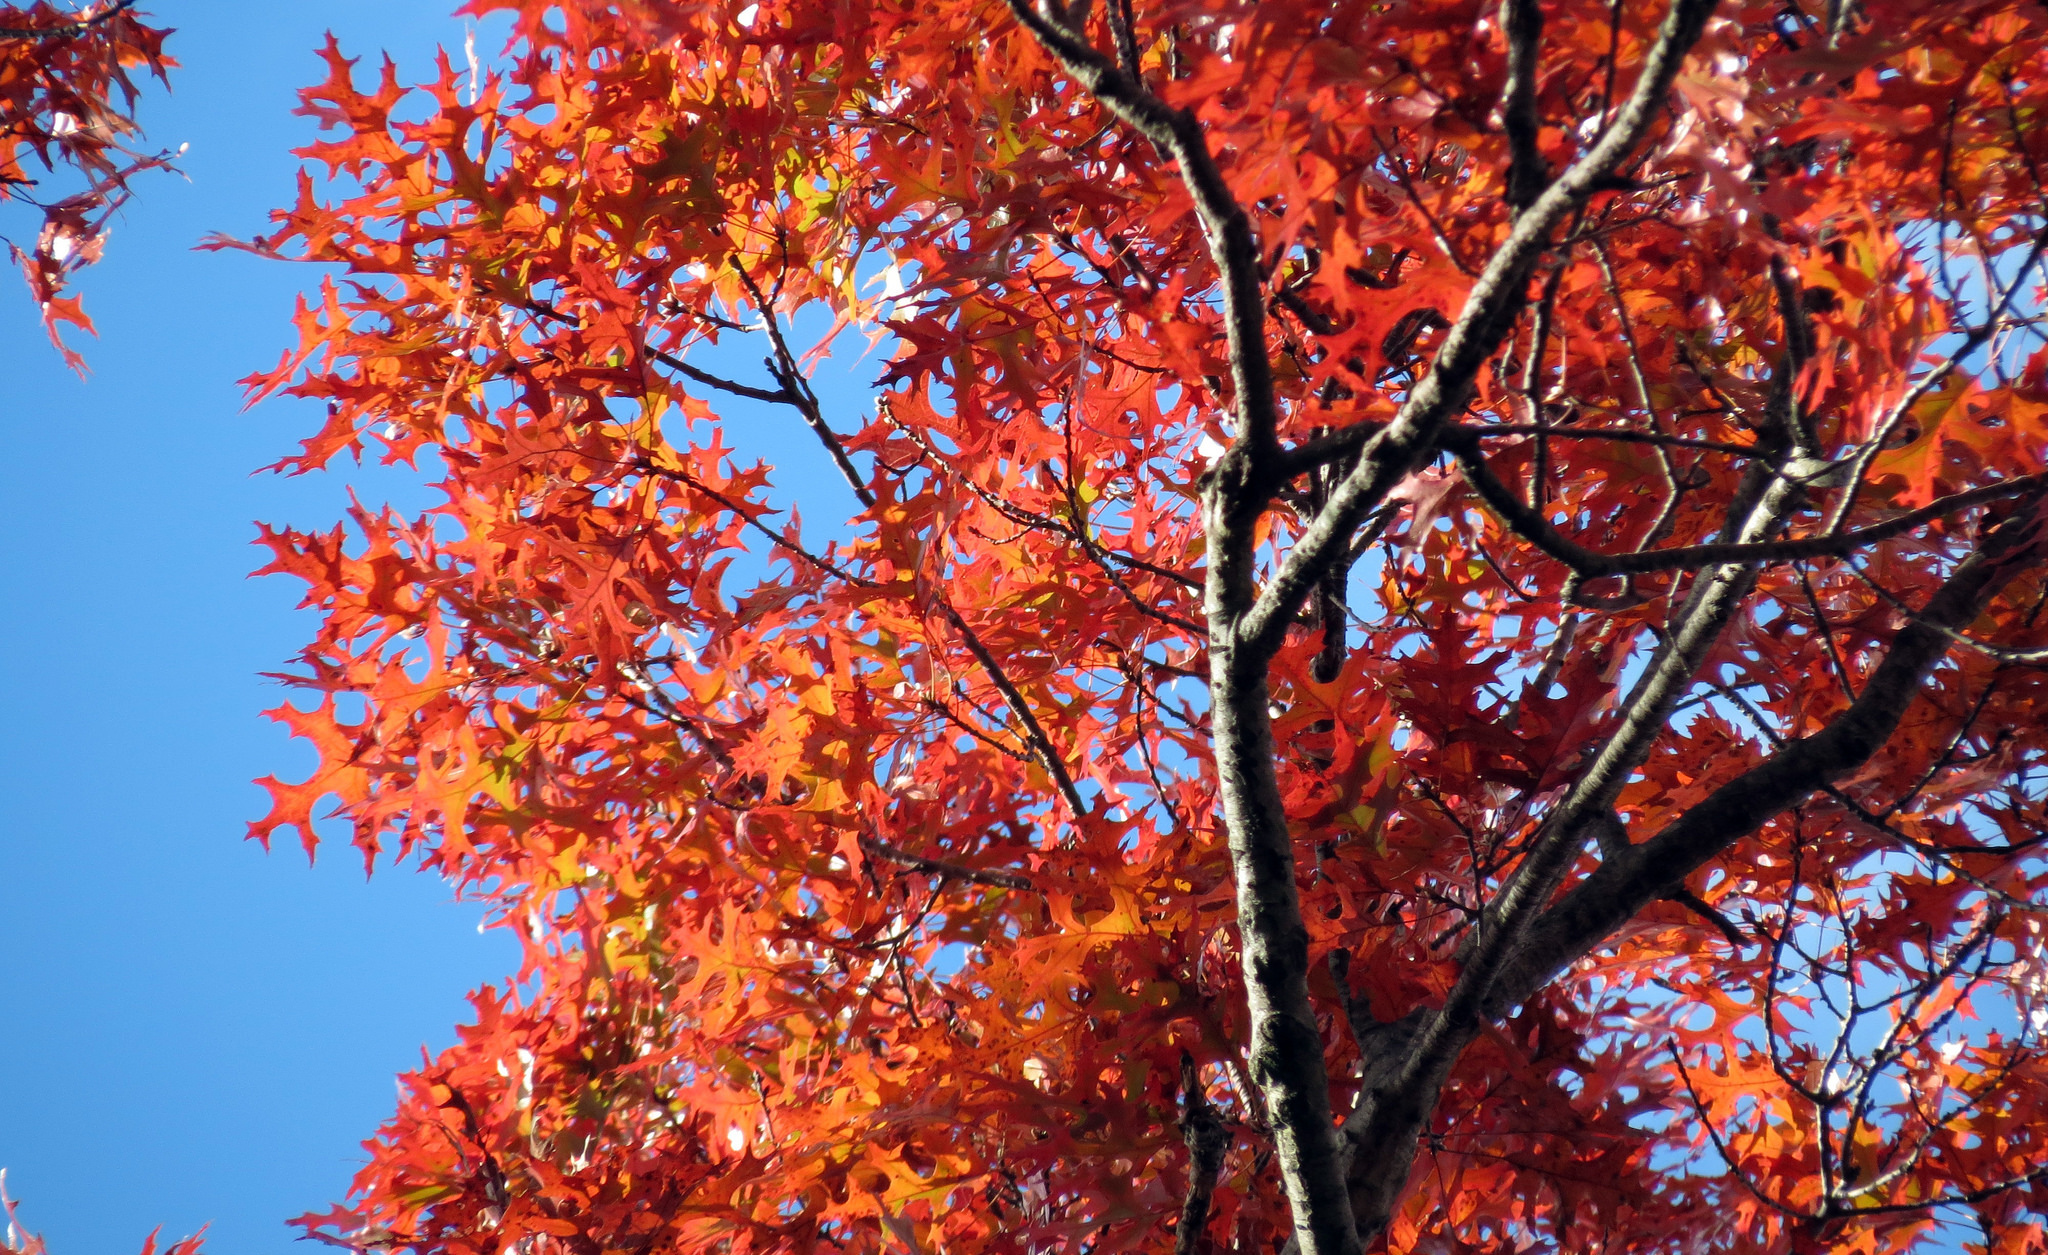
(1720,1146)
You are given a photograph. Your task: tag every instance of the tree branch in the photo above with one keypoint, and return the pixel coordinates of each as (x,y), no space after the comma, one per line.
(1207,1138)
(1286,1047)
(1626,435)
(796,390)
(1334,446)
(1387,1135)
(1391,1117)
(1177,133)
(946,871)
(1591,564)
(1528,173)
(1048,755)
(1998,653)
(1881,431)
(740,511)
(778,396)
(1622,886)
(1495,301)
(69,30)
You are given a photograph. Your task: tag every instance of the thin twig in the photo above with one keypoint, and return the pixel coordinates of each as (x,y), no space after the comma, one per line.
(1827,632)
(797,390)
(1881,433)
(1998,653)
(947,871)
(1034,732)
(739,510)
(1721,1147)
(1590,564)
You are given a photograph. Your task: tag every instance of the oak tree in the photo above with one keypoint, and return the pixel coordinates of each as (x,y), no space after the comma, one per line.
(1435,643)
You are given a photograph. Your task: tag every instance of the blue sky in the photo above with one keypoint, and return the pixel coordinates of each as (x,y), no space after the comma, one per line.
(191,1032)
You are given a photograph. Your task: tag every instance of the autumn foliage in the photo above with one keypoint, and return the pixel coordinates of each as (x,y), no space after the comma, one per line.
(18,1239)
(67,110)
(1435,641)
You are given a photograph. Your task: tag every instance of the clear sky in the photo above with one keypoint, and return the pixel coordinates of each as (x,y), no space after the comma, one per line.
(191,1032)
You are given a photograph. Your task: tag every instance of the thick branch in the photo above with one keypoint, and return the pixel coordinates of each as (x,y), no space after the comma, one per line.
(1524,941)
(1207,1138)
(1622,886)
(1392,1118)
(1587,809)
(1244,634)
(1286,1048)
(1177,133)
(1523,22)
(1247,626)
(1495,301)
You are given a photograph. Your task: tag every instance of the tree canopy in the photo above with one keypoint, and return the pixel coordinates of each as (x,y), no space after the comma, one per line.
(1436,642)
